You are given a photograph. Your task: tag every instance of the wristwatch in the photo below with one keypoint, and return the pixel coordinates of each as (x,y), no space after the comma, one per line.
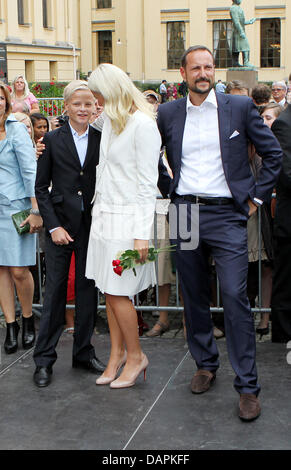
(258,202)
(34,212)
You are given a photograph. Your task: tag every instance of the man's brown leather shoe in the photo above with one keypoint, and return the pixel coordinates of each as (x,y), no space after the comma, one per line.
(202,381)
(249,407)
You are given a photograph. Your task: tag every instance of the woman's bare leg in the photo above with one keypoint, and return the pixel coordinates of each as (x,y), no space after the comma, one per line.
(117,343)
(266,294)
(7,295)
(126,317)
(70,317)
(24,284)
(164,294)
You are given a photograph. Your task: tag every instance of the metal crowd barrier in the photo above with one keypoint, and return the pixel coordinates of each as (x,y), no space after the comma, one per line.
(51,107)
(174,308)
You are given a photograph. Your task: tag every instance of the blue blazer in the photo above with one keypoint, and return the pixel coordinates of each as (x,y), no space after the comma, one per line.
(17,163)
(235,113)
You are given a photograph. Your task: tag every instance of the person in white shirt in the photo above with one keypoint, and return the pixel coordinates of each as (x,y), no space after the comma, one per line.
(213,191)
(220,87)
(279,92)
(163,91)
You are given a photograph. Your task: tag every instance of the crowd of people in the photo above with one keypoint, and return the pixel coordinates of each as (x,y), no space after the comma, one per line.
(95,177)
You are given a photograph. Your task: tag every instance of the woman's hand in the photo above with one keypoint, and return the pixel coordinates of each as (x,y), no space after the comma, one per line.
(35,222)
(273,207)
(142,246)
(54,122)
(273,204)
(253,207)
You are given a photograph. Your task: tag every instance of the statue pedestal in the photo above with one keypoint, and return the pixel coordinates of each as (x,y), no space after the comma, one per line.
(246,75)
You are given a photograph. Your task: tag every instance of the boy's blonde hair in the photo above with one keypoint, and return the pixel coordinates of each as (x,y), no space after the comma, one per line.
(73,86)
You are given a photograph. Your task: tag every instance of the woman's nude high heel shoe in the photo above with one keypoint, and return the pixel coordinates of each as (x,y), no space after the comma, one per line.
(125,384)
(107,380)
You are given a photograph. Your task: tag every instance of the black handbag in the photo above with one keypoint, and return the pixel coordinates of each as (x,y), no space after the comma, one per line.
(18,219)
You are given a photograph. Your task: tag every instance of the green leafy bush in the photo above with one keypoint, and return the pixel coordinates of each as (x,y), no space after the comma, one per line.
(48,89)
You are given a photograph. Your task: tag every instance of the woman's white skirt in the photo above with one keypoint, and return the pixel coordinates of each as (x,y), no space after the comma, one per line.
(104,247)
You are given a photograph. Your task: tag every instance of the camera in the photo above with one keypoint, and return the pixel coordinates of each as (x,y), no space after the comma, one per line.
(62,119)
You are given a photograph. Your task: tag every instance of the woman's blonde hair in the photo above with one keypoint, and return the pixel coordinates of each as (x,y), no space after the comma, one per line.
(8,107)
(121,96)
(22,117)
(275,106)
(26,88)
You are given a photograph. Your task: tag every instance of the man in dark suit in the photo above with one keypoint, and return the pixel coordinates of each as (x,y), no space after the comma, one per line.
(281,297)
(68,165)
(206,138)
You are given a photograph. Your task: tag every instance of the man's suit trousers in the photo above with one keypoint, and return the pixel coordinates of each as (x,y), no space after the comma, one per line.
(223,235)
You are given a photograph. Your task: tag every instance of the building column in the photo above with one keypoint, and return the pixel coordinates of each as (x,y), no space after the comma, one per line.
(119,40)
(86,34)
(154,49)
(198,35)
(285,52)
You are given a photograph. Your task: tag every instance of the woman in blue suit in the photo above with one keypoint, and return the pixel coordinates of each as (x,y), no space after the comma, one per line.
(17,253)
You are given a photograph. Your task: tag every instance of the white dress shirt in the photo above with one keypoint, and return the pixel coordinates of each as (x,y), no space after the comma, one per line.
(201,167)
(81,143)
(282,102)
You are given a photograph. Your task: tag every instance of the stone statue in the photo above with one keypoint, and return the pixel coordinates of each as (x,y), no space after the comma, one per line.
(240,41)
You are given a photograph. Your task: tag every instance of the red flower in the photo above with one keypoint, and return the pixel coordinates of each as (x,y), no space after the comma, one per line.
(118,270)
(116,262)
(52,83)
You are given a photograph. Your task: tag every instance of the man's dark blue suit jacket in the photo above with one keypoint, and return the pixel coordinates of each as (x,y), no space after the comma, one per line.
(235,113)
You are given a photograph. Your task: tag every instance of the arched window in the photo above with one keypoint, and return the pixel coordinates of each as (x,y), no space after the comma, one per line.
(176,43)
(222,47)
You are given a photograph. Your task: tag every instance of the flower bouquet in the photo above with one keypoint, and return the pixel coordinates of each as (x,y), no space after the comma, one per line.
(129,259)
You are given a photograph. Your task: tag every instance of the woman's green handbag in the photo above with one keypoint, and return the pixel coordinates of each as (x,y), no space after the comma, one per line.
(18,219)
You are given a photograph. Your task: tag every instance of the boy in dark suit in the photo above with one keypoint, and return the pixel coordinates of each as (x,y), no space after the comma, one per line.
(68,164)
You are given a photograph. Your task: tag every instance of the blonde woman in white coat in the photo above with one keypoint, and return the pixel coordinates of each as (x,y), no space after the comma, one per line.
(123,213)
